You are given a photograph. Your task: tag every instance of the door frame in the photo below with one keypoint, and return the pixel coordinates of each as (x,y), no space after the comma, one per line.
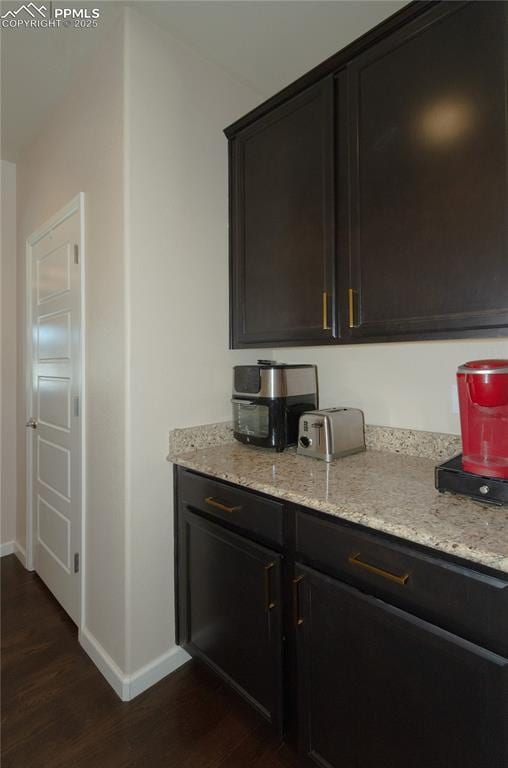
(76,205)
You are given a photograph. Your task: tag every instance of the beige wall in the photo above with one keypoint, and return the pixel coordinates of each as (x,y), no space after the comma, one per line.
(8,376)
(180,366)
(396,385)
(81,150)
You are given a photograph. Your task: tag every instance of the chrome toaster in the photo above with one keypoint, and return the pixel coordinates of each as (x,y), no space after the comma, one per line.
(331,433)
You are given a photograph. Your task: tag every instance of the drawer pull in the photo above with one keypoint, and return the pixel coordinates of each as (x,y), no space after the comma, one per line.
(355,560)
(297,619)
(218,505)
(268,587)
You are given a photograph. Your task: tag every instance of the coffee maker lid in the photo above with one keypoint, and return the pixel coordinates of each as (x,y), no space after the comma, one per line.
(484,366)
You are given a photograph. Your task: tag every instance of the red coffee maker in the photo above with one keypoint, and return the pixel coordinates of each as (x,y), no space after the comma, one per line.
(483,400)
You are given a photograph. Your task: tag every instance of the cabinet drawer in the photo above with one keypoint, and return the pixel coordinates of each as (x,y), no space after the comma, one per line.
(243,510)
(470,604)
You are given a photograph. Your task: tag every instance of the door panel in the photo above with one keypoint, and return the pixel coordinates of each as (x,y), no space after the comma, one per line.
(282,248)
(53,532)
(53,273)
(54,467)
(231,612)
(54,402)
(384,688)
(54,337)
(429,246)
(56,440)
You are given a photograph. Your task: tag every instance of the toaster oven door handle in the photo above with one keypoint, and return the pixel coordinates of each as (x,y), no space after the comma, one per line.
(354,559)
(244,403)
(219,505)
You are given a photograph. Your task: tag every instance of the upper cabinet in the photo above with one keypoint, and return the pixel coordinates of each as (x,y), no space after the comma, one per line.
(428,177)
(281,228)
(368,201)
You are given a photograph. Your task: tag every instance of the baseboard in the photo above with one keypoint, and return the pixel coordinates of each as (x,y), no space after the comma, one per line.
(7,548)
(20,553)
(104,663)
(129,686)
(157,669)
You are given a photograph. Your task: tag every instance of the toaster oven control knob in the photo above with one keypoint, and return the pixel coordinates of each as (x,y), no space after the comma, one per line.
(305,442)
(484,489)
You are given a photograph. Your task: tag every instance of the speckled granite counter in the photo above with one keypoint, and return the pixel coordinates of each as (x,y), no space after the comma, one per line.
(389,492)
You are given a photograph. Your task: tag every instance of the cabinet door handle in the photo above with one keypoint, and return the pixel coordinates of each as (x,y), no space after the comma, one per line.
(355,560)
(218,505)
(326,327)
(297,619)
(351,293)
(268,587)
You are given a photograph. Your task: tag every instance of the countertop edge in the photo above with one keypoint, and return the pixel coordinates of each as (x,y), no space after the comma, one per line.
(350,514)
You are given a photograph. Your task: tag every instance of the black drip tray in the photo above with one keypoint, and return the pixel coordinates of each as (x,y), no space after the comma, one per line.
(451,477)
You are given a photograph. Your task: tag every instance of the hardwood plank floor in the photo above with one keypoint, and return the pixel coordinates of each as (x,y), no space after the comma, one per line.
(59,712)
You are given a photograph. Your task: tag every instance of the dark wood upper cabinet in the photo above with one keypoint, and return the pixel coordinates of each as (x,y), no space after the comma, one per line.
(428,180)
(377,185)
(282,244)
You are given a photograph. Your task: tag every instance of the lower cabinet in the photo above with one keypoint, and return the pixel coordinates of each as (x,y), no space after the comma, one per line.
(380,688)
(230,617)
(356,666)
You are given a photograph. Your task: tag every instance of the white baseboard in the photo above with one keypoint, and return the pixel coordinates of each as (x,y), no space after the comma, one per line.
(104,663)
(20,553)
(129,686)
(7,548)
(157,669)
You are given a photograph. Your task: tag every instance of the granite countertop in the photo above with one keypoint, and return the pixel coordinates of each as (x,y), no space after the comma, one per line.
(389,492)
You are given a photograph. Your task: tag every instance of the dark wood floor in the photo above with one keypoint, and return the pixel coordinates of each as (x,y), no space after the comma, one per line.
(59,712)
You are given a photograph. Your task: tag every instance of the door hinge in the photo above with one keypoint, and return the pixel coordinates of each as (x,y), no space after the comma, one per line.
(76,562)
(76,254)
(76,406)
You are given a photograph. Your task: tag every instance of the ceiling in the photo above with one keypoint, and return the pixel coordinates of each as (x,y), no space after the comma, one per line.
(268,43)
(264,43)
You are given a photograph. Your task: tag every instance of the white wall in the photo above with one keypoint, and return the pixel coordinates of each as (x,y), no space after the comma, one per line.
(9,339)
(180,366)
(81,150)
(396,385)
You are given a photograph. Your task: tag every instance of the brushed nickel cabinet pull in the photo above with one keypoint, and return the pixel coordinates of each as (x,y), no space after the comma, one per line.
(355,560)
(326,327)
(218,505)
(268,587)
(297,619)
(351,299)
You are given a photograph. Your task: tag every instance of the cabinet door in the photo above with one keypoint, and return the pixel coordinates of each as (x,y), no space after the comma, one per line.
(429,203)
(281,207)
(230,612)
(381,688)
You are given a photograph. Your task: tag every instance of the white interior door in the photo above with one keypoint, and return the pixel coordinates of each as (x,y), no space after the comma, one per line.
(55,423)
